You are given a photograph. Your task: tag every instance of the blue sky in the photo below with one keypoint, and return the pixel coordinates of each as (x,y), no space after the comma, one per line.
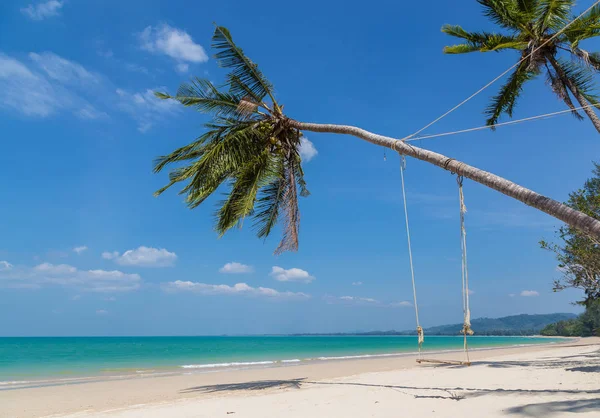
(85,248)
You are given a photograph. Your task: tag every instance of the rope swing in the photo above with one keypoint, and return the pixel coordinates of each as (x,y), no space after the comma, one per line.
(410,258)
(466,330)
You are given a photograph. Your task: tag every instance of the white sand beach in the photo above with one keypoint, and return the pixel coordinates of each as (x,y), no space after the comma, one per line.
(560,380)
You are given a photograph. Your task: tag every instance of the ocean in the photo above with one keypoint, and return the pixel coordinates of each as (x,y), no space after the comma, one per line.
(58,360)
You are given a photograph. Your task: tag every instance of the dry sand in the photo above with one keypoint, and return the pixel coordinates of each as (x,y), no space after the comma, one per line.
(550,381)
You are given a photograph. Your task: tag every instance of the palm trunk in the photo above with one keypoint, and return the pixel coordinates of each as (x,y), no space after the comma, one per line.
(589,110)
(553,208)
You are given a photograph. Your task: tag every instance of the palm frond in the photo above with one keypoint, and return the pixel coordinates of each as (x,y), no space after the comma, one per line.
(552,14)
(192,150)
(481,41)
(205,97)
(505,13)
(581,78)
(587,59)
(586,27)
(269,202)
(560,89)
(461,49)
(506,99)
(217,156)
(242,196)
(229,55)
(291,212)
(527,7)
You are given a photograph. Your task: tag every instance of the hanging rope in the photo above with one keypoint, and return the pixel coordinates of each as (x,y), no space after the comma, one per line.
(466,330)
(510,122)
(546,42)
(420,335)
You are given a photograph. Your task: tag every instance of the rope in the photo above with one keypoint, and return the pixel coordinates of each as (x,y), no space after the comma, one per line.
(420,334)
(505,72)
(466,330)
(512,122)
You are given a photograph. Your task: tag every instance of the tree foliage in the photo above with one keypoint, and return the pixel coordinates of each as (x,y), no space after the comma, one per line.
(248,148)
(530,26)
(578,254)
(586,325)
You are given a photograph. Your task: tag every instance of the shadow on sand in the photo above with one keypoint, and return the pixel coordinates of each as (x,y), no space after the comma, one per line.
(558,409)
(586,363)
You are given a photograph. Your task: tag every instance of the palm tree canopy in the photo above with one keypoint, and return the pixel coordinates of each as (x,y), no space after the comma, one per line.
(248,147)
(530,26)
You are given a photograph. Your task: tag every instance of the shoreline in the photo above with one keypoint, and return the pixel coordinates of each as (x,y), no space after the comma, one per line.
(95,397)
(199,369)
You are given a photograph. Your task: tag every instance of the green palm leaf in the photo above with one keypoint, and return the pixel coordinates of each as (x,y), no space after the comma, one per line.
(505,13)
(229,55)
(480,41)
(242,196)
(587,26)
(269,202)
(561,90)
(527,7)
(206,98)
(291,213)
(506,99)
(552,14)
(582,79)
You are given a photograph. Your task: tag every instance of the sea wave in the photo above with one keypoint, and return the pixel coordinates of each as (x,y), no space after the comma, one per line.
(364,356)
(232,364)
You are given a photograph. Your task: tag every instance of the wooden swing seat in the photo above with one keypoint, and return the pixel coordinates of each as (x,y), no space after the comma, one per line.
(453,362)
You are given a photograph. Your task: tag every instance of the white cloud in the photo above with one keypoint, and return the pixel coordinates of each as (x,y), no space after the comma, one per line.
(358,299)
(55,269)
(89,112)
(110,255)
(80,249)
(307,150)
(40,11)
(136,68)
(235,268)
(471,292)
(143,257)
(512,295)
(64,275)
(110,299)
(76,297)
(5,265)
(402,304)
(145,107)
(182,68)
(47,85)
(357,283)
(173,42)
(63,70)
(291,275)
(101,312)
(362,301)
(237,289)
(528,293)
(27,92)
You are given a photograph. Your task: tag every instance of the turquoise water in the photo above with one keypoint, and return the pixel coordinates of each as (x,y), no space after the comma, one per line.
(23,359)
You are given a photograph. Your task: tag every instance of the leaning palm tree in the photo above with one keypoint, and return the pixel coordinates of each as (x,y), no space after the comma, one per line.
(536,30)
(251,147)
(248,144)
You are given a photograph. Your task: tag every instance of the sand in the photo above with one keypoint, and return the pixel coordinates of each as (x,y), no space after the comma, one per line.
(551,381)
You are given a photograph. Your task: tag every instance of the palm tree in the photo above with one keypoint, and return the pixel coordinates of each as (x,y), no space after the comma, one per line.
(534,28)
(252,148)
(249,144)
